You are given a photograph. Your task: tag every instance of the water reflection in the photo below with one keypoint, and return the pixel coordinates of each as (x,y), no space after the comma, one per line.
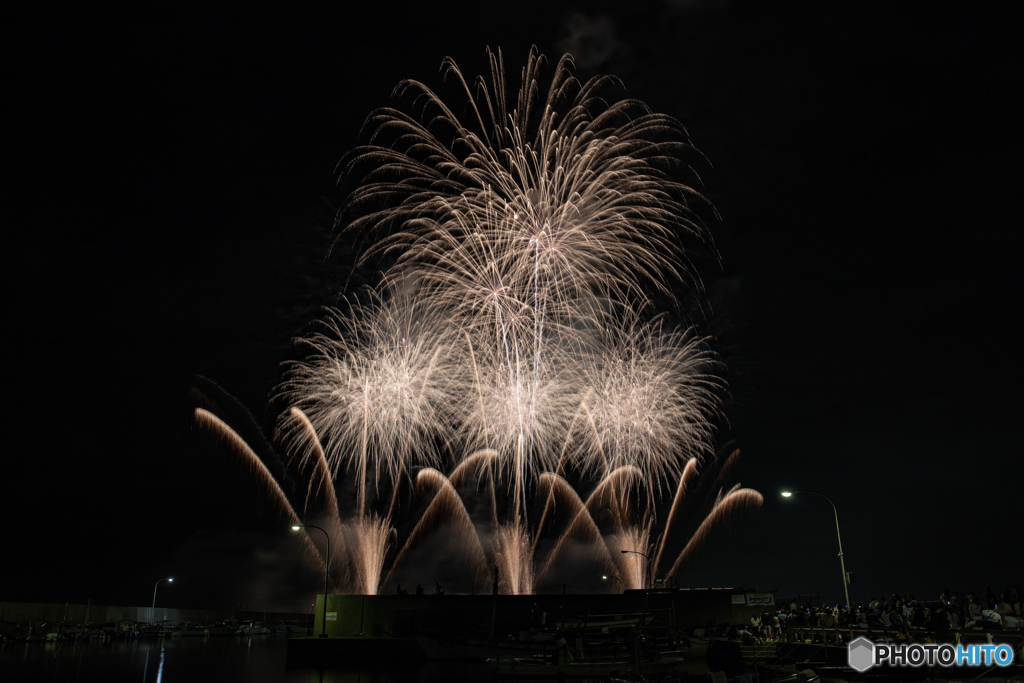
(256,659)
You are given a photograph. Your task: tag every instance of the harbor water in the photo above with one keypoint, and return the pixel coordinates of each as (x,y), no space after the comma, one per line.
(253,659)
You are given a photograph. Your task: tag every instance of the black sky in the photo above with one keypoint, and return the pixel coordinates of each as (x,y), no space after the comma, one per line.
(169,195)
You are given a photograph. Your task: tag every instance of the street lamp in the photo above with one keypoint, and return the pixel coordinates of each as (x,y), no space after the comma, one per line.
(327,569)
(644,555)
(152,611)
(842,566)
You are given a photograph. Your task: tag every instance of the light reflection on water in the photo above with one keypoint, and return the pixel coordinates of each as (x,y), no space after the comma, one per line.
(256,659)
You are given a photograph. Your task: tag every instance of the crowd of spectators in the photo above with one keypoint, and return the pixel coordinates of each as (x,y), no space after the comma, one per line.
(895,616)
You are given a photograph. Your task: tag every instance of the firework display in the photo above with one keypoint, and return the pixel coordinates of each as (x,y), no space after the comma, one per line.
(508,397)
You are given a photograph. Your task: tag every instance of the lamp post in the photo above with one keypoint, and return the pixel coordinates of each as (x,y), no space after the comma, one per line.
(644,555)
(842,565)
(327,569)
(152,610)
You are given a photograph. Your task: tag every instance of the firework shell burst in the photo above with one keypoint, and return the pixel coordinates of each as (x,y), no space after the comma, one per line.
(580,186)
(534,221)
(512,339)
(376,383)
(650,396)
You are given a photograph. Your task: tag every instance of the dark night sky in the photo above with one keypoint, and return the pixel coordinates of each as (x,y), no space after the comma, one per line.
(168,201)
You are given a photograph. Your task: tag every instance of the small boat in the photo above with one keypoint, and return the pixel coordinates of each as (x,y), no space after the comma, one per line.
(190,631)
(222,629)
(252,628)
(155,631)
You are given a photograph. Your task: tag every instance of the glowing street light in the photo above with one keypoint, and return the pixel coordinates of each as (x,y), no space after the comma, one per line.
(842,566)
(644,555)
(152,611)
(327,569)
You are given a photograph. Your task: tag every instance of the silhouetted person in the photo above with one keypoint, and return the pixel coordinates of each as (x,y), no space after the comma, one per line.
(419,589)
(974,612)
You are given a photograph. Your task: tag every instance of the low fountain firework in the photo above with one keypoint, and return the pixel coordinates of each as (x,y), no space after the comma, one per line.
(507,402)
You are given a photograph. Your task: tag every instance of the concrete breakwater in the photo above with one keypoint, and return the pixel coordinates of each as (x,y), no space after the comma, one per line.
(406,615)
(402,615)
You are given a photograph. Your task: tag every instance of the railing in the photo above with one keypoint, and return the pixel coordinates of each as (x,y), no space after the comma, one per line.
(834,635)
